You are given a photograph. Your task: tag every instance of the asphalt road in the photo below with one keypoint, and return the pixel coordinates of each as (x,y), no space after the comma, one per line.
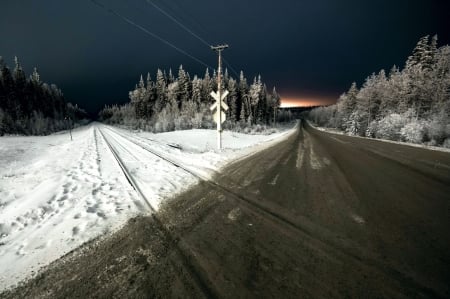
(316,216)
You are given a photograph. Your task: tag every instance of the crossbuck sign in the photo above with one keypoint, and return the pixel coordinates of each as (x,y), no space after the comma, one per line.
(224,106)
(219,116)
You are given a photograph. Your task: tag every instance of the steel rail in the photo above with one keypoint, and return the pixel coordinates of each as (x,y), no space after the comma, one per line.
(188,259)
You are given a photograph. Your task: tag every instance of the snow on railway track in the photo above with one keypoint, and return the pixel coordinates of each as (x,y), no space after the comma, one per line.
(197,171)
(153,176)
(186,257)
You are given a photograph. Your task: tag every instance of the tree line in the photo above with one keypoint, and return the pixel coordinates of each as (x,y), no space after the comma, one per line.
(29,106)
(176,103)
(411,105)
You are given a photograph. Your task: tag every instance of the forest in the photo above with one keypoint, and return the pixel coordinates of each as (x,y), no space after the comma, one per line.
(177,103)
(411,105)
(29,106)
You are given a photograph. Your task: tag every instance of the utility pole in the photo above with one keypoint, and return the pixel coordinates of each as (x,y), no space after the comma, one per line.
(219,116)
(368,119)
(69,121)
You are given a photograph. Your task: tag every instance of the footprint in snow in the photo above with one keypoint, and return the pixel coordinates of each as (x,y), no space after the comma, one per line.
(75,230)
(92,209)
(101,215)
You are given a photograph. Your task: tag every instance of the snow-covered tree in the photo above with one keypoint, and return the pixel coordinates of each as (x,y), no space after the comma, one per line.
(160,87)
(35,78)
(207,86)
(28,105)
(243,99)
(197,90)
(412,104)
(255,97)
(181,103)
(275,103)
(231,99)
(184,86)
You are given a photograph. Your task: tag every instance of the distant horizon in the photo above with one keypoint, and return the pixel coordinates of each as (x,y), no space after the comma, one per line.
(306,101)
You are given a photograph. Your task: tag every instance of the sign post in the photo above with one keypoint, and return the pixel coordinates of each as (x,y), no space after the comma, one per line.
(219,116)
(69,121)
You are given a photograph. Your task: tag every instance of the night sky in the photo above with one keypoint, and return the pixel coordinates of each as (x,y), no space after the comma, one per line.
(310,50)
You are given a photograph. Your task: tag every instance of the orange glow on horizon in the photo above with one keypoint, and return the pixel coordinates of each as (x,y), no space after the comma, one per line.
(305,101)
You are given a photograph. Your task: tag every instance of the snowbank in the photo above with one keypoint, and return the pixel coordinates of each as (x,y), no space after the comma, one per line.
(339,132)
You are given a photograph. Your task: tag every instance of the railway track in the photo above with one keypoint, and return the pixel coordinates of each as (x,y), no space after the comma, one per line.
(185,255)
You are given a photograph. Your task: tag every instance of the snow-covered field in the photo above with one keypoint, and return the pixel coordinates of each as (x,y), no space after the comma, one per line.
(56,194)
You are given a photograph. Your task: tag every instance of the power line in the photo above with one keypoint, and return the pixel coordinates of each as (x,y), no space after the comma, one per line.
(231,68)
(190,32)
(179,23)
(110,10)
(182,14)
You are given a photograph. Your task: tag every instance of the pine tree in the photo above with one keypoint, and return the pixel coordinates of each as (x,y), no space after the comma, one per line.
(255,97)
(35,77)
(137,97)
(264,113)
(441,81)
(160,91)
(148,81)
(275,103)
(18,97)
(150,96)
(184,86)
(351,98)
(242,115)
(19,75)
(140,110)
(2,100)
(412,104)
(197,90)
(170,77)
(7,79)
(214,81)
(419,68)
(184,103)
(433,49)
(232,100)
(226,79)
(2,65)
(347,104)
(2,84)
(243,96)
(207,87)
(421,55)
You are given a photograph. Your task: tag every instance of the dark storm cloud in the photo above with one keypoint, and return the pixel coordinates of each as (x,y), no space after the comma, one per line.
(305,48)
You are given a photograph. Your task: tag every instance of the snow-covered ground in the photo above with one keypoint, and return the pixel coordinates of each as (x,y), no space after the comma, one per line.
(56,194)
